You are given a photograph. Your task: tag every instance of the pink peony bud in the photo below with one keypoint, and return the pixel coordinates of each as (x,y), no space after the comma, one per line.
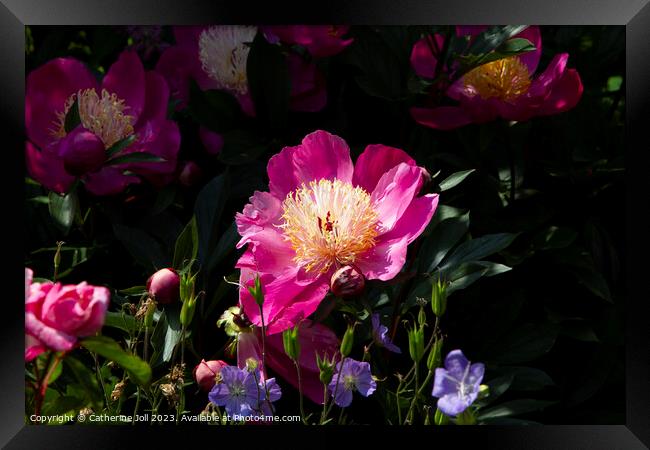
(164,286)
(213,142)
(190,174)
(348,281)
(206,371)
(82,152)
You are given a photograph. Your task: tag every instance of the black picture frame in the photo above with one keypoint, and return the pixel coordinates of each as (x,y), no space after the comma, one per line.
(634,14)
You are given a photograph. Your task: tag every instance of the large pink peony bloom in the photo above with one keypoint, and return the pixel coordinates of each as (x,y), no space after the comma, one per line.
(314,338)
(56,315)
(506,88)
(129,101)
(321,213)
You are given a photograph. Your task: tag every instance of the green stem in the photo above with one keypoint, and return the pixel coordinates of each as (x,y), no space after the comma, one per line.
(101,379)
(302,409)
(336,387)
(266,388)
(137,405)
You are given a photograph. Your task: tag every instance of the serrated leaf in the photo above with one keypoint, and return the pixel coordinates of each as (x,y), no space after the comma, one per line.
(454,179)
(138,370)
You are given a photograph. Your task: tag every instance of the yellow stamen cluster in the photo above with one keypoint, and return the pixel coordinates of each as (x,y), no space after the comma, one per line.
(104,116)
(505,79)
(329,223)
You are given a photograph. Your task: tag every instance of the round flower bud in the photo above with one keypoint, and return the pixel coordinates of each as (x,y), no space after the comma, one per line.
(190,174)
(82,152)
(348,281)
(205,373)
(164,286)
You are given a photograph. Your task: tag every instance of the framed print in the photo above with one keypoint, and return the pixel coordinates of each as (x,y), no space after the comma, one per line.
(424,217)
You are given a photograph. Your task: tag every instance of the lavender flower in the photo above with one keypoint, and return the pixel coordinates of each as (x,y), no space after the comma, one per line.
(380,335)
(457,385)
(355,376)
(237,391)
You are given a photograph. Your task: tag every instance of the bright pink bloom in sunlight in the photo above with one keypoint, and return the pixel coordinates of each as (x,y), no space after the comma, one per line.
(508,88)
(322,213)
(320,40)
(128,102)
(313,338)
(56,315)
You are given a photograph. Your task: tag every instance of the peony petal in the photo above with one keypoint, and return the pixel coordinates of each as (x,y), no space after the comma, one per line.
(126,79)
(441,117)
(394,193)
(156,99)
(33,348)
(385,260)
(308,85)
(423,60)
(286,302)
(321,155)
(531,59)
(542,85)
(415,219)
(166,143)
(50,337)
(213,142)
(177,65)
(108,181)
(263,212)
(565,94)
(47,168)
(46,91)
(374,162)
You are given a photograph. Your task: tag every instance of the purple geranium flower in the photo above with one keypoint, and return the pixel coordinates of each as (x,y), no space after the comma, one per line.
(354,375)
(237,391)
(380,335)
(457,385)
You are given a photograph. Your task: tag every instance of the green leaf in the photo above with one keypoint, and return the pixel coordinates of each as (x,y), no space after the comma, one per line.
(513,408)
(526,343)
(72,118)
(554,237)
(498,386)
(166,335)
(120,320)
(87,381)
(268,78)
(215,109)
(478,248)
(63,209)
(454,179)
(511,47)
(133,291)
(467,273)
(41,362)
(207,210)
(142,246)
(493,37)
(241,146)
(138,370)
(135,157)
(187,245)
(225,245)
(120,145)
(527,378)
(442,239)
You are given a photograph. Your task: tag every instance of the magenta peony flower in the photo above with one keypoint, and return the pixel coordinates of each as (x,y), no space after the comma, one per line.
(215,58)
(313,338)
(322,213)
(56,315)
(320,40)
(506,88)
(128,102)
(205,373)
(164,286)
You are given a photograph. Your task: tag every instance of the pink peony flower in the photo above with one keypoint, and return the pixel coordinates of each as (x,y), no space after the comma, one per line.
(128,102)
(164,286)
(321,213)
(507,88)
(205,373)
(56,315)
(320,40)
(313,338)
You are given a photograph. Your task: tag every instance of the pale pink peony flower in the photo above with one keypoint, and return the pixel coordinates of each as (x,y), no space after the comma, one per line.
(322,213)
(56,315)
